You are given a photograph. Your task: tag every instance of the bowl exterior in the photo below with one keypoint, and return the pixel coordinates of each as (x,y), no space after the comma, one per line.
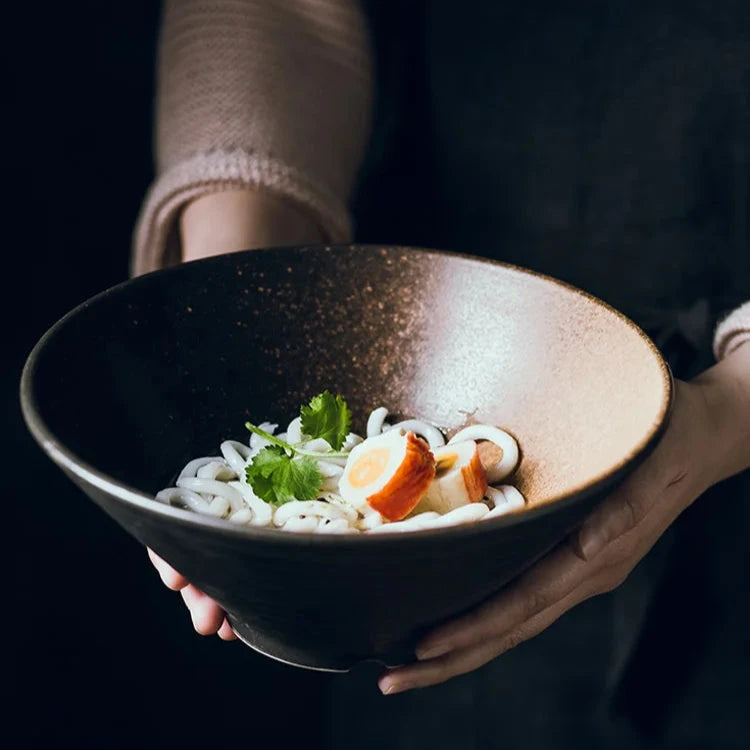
(134,383)
(330,608)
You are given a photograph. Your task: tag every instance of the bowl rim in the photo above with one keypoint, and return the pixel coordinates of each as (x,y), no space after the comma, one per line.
(73,464)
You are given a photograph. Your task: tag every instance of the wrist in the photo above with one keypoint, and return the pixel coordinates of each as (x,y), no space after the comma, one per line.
(240,219)
(725,388)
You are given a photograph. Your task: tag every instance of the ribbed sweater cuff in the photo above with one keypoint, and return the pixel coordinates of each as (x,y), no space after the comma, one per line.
(220,170)
(733,331)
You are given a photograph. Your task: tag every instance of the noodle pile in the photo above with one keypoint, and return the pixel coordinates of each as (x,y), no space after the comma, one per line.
(217,485)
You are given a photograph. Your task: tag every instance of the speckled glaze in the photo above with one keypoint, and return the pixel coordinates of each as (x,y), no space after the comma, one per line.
(132,384)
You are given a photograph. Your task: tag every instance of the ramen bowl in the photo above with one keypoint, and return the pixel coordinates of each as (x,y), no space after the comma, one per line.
(128,387)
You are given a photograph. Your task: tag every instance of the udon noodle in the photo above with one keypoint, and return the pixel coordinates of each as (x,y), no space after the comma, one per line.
(218,486)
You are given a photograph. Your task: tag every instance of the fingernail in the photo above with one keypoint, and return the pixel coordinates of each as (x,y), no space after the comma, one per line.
(432,652)
(387,687)
(591,545)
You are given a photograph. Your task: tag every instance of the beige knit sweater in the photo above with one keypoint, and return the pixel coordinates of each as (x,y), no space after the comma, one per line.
(270,94)
(274,95)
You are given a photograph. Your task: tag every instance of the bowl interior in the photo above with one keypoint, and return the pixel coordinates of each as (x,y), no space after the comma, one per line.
(161,369)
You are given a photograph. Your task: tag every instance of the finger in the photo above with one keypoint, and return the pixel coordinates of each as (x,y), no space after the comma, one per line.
(226,633)
(666,478)
(620,513)
(206,614)
(556,577)
(461,661)
(549,581)
(169,576)
(631,508)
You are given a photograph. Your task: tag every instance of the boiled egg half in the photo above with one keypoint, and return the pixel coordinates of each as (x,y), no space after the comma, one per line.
(389,472)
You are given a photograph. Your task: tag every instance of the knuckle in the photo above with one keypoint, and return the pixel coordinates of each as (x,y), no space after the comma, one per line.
(513,639)
(480,622)
(190,597)
(612,579)
(635,509)
(619,579)
(172,581)
(204,621)
(620,555)
(534,602)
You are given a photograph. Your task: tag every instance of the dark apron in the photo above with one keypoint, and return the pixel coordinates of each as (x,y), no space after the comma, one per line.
(606,144)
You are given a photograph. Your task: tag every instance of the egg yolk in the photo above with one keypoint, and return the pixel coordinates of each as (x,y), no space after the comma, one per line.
(367,468)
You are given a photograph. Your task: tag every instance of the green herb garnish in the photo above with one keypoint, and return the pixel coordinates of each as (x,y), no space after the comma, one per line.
(328,417)
(282,472)
(278,478)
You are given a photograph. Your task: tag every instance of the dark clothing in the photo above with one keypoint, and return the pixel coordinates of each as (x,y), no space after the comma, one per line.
(606,144)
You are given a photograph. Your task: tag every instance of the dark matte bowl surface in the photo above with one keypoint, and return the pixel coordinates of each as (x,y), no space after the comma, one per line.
(132,384)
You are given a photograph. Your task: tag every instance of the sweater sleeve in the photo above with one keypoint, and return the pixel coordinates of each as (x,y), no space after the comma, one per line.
(251,93)
(733,331)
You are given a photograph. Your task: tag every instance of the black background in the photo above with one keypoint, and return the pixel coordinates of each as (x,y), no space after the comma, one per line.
(100,653)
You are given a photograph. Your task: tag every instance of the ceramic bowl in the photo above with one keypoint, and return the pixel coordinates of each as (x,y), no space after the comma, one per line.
(132,384)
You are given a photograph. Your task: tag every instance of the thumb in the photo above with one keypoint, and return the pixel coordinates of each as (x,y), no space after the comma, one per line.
(619,513)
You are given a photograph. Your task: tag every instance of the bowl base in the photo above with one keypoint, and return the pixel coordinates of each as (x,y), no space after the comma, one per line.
(291,657)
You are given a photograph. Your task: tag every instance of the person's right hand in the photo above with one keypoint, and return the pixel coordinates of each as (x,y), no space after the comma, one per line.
(215,224)
(208,617)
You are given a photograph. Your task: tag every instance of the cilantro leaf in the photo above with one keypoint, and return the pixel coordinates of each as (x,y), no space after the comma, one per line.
(278,478)
(328,417)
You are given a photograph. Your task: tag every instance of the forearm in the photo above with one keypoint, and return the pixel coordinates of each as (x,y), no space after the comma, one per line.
(233,220)
(726,387)
(256,96)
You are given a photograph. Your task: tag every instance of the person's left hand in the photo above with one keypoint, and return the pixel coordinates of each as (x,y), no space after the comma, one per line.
(592,561)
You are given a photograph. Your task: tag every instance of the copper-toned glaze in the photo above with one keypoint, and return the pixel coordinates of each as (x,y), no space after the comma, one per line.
(128,387)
